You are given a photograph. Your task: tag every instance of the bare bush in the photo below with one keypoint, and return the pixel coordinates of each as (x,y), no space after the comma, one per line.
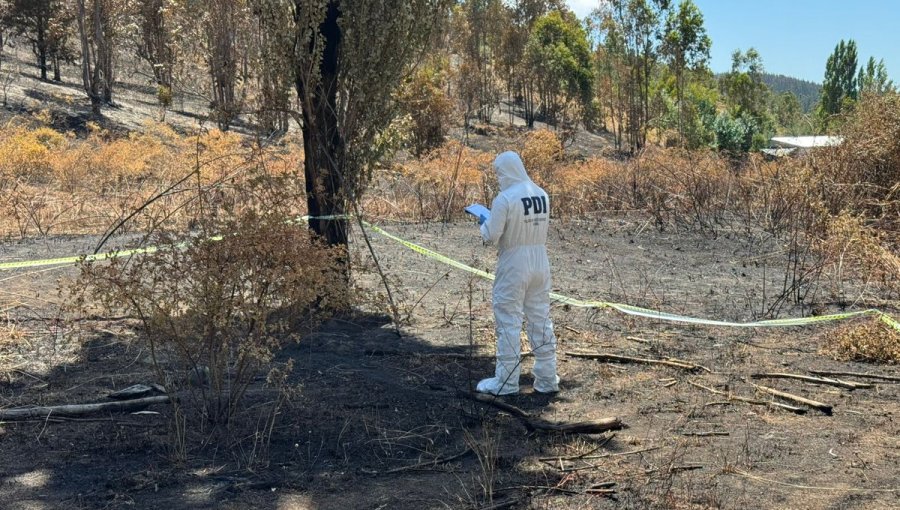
(871,340)
(215,309)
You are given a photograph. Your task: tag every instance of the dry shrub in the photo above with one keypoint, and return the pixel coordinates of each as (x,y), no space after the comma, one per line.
(29,153)
(781,197)
(870,340)
(682,187)
(855,251)
(541,152)
(216,305)
(584,187)
(863,173)
(443,183)
(53,182)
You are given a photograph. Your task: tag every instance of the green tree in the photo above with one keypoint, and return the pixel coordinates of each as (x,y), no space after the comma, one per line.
(559,55)
(630,33)
(747,99)
(840,87)
(873,78)
(685,45)
(788,113)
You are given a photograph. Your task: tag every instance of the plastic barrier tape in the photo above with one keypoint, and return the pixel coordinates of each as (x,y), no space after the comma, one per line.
(559,298)
(645,312)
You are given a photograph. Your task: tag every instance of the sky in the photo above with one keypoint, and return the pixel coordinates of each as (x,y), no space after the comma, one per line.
(795,37)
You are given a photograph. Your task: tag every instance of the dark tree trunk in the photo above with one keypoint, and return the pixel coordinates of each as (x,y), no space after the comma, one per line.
(322,141)
(42,46)
(56,73)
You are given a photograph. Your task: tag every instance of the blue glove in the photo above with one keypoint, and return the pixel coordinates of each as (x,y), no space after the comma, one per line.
(481,219)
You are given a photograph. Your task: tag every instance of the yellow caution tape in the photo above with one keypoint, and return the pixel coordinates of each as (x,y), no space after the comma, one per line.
(646,312)
(559,298)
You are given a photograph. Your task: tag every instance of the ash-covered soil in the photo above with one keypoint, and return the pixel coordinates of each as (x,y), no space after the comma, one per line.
(372,411)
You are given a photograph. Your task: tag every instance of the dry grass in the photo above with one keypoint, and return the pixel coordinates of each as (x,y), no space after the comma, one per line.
(836,212)
(55,183)
(870,340)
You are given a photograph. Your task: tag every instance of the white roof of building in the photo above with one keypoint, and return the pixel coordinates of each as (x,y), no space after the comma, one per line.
(780,152)
(807,142)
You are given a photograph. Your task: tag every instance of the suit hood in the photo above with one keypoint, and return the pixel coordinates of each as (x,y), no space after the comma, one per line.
(510,170)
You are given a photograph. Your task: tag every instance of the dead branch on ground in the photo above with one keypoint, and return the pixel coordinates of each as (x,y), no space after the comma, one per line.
(746,400)
(536,424)
(814,380)
(71,410)
(856,374)
(825,408)
(683,365)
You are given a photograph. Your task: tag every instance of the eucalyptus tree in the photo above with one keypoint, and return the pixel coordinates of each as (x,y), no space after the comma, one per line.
(685,45)
(99,25)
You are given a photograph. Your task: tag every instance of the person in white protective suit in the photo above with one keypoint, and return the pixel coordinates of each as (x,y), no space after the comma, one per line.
(520,216)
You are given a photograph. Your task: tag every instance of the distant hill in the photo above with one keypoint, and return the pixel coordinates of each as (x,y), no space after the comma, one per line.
(806,91)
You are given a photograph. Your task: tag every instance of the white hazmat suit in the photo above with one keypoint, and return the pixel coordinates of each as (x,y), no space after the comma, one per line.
(520,216)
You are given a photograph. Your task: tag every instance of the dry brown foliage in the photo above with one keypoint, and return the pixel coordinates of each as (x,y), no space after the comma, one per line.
(870,340)
(218,302)
(55,183)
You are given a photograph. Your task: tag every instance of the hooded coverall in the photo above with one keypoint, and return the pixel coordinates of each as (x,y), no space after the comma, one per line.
(518,225)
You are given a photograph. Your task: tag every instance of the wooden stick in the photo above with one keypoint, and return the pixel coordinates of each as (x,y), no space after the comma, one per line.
(811,487)
(825,408)
(856,374)
(603,443)
(814,380)
(706,434)
(552,462)
(746,400)
(24,413)
(628,359)
(430,463)
(536,424)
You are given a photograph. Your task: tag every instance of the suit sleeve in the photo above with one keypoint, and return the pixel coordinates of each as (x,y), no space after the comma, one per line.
(493,228)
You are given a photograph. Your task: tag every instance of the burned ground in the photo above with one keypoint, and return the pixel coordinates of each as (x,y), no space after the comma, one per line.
(369,412)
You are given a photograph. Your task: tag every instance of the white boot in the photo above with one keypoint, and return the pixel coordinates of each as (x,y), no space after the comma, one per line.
(495,386)
(544,371)
(505,380)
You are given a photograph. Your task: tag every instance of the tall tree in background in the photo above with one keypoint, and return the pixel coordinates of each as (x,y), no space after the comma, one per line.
(31,19)
(521,80)
(97,24)
(350,57)
(685,46)
(788,112)
(271,57)
(632,29)
(840,87)
(747,123)
(873,78)
(225,59)
(558,54)
(155,45)
(478,24)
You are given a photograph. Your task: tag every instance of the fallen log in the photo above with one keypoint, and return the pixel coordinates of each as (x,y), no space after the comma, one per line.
(825,408)
(753,401)
(71,410)
(856,374)
(683,365)
(536,424)
(850,385)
